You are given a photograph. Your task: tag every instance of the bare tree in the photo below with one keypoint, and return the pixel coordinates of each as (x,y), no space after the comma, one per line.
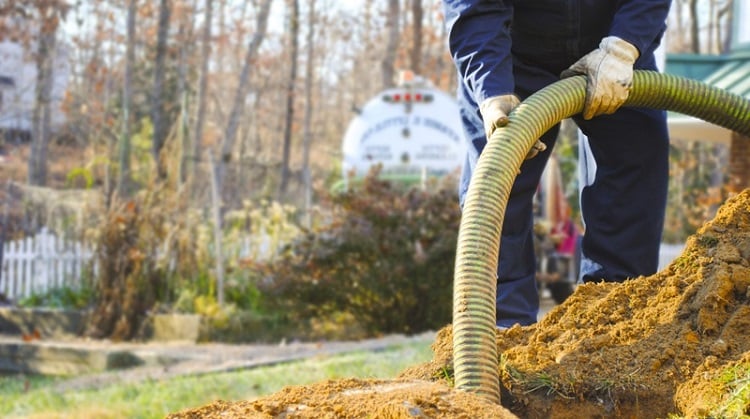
(677,14)
(41,130)
(160,126)
(417,12)
(695,44)
(238,104)
(50,13)
(200,113)
(724,30)
(307,133)
(388,64)
(293,56)
(123,179)
(184,37)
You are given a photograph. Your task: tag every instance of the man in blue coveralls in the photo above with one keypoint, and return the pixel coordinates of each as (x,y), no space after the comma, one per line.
(504,51)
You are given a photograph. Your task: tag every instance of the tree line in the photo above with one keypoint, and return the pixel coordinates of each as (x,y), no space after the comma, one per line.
(252,97)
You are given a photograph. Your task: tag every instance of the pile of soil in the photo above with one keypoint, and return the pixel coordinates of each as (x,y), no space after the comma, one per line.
(649,348)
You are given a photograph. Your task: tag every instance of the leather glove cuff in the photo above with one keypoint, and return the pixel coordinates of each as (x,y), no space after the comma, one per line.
(620,48)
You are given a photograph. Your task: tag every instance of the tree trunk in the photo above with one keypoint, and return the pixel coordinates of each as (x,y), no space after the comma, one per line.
(307,135)
(218,236)
(391,46)
(712,24)
(200,113)
(726,14)
(238,105)
(123,179)
(293,55)
(157,104)
(184,34)
(41,122)
(695,46)
(417,12)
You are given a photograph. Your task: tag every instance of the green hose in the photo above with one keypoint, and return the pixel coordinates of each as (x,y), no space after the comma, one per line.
(475,357)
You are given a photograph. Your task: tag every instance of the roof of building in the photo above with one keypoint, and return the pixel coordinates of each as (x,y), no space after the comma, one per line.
(730,72)
(733,76)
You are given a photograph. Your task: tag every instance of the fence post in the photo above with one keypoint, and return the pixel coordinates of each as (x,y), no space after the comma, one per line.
(43,272)
(3,237)
(30,256)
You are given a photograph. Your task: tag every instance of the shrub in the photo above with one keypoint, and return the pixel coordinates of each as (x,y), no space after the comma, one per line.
(386,258)
(129,282)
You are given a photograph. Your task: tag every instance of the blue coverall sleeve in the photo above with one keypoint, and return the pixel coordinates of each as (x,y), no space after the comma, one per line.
(480,45)
(640,22)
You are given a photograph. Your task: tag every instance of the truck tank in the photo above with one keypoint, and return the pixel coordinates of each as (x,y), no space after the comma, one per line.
(413,131)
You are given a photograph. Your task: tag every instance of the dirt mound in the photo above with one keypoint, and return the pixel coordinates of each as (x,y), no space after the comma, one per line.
(672,343)
(353,398)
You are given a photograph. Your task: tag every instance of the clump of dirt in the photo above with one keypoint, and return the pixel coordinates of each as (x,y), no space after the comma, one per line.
(648,348)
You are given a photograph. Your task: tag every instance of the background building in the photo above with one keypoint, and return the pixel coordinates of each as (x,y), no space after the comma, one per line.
(18,81)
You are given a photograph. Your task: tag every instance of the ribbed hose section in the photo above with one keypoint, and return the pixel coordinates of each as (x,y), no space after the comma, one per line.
(475,357)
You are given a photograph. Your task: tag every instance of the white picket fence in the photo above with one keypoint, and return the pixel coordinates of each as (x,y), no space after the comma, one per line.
(37,264)
(34,265)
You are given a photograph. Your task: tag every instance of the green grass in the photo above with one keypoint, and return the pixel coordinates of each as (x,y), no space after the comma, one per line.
(39,397)
(735,381)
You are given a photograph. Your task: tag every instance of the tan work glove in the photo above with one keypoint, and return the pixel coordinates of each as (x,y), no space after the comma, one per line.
(609,70)
(495,111)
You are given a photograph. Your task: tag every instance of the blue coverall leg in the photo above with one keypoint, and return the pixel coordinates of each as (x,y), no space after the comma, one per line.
(623,209)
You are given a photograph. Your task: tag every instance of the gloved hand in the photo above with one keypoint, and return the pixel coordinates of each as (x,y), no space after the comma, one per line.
(609,70)
(495,112)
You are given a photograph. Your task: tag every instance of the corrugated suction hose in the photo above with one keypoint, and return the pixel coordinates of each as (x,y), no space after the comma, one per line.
(475,357)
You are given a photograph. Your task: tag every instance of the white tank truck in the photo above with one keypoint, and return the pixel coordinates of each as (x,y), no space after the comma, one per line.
(413,131)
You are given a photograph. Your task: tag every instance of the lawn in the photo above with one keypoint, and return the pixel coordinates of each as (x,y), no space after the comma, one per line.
(42,397)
